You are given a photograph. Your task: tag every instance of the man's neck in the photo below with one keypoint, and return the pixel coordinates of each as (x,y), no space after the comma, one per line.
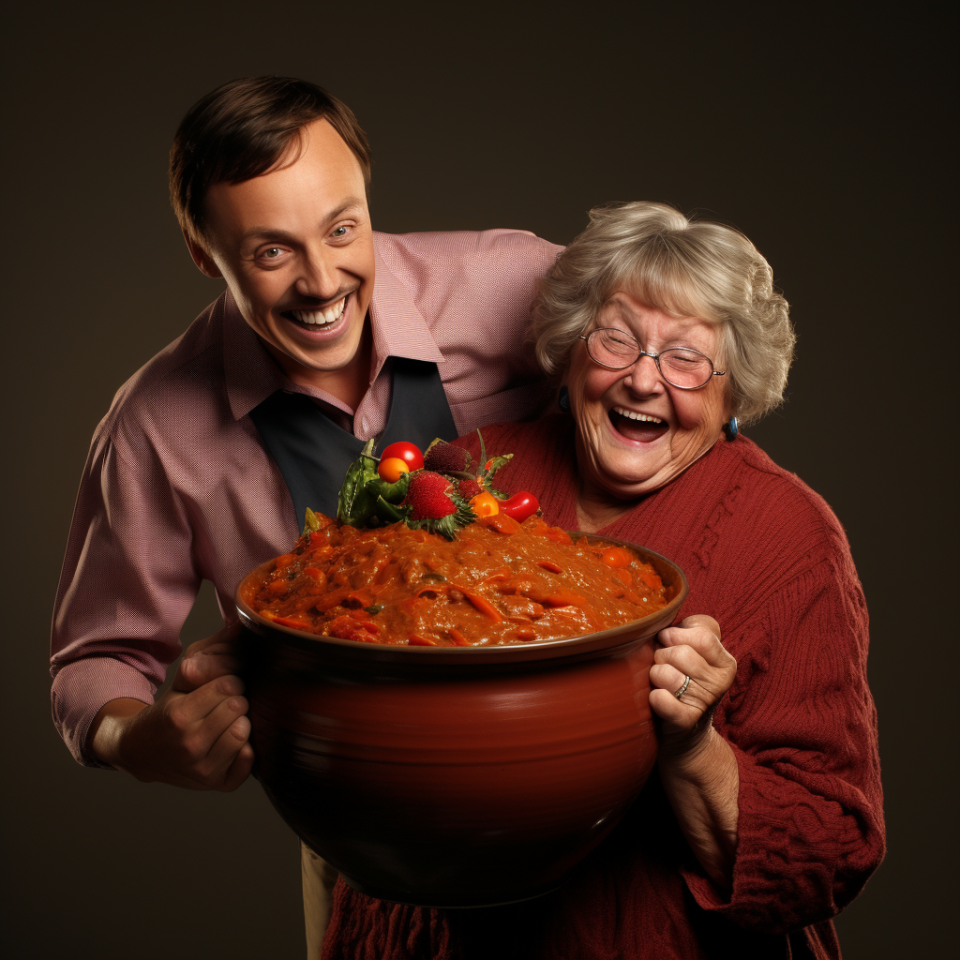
(349,384)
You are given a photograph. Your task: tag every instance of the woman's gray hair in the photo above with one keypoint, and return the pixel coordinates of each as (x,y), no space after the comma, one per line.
(685,268)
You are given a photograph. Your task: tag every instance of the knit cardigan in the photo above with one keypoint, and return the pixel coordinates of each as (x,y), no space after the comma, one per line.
(767,558)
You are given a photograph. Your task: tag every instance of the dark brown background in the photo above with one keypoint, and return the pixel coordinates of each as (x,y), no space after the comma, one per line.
(823,139)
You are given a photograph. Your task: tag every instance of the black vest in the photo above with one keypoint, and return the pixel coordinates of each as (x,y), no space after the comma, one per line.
(313,452)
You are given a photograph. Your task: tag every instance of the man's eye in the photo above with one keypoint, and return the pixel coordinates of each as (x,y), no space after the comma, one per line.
(340,232)
(271,253)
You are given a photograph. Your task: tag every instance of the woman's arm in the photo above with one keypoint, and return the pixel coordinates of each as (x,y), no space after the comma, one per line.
(697,767)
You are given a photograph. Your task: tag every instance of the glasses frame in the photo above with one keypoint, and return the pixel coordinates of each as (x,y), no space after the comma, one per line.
(655,357)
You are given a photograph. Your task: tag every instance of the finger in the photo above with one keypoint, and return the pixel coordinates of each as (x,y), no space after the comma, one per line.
(240,769)
(685,659)
(699,639)
(189,709)
(200,668)
(226,748)
(702,620)
(665,676)
(225,635)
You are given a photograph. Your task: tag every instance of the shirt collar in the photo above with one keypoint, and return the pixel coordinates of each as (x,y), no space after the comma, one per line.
(399,330)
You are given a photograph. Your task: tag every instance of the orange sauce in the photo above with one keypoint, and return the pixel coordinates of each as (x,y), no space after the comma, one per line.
(499,582)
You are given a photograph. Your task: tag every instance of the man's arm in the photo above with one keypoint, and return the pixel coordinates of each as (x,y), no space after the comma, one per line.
(196,735)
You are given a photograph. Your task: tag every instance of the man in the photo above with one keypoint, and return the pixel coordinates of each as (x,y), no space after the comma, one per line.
(327,334)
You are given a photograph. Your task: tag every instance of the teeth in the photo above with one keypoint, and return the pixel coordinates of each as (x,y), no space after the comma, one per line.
(321,317)
(632,415)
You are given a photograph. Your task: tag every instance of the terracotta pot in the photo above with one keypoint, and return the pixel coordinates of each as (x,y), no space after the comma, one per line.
(454,776)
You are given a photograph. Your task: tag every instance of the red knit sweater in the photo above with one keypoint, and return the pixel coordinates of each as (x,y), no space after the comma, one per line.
(768,559)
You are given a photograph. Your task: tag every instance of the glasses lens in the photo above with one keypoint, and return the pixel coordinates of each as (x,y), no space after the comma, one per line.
(612,348)
(685,368)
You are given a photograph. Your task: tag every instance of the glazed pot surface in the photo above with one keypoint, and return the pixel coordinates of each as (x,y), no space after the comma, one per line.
(454,776)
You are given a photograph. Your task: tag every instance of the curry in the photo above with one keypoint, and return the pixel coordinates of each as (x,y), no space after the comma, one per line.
(498,582)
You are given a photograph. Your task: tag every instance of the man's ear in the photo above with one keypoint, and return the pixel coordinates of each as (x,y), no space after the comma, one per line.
(202,258)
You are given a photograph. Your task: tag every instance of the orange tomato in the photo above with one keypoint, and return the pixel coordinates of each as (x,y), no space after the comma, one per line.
(392,469)
(485,505)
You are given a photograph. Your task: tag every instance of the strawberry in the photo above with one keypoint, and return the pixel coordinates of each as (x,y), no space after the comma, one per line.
(444,457)
(435,505)
(468,489)
(428,496)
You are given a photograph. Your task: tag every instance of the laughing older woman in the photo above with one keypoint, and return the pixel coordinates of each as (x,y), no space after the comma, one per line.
(765,819)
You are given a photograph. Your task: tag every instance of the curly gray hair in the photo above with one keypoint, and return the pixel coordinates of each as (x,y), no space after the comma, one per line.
(685,268)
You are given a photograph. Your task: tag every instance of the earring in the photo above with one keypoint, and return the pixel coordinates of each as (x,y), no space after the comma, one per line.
(563,399)
(730,428)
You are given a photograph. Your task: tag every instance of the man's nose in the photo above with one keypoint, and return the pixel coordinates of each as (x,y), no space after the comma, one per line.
(318,278)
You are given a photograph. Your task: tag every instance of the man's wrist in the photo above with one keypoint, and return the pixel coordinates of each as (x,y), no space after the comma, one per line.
(106,732)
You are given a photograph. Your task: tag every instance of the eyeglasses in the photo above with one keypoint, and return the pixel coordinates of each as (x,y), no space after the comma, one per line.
(616,350)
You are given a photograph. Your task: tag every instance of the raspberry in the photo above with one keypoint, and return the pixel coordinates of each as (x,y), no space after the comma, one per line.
(444,457)
(428,496)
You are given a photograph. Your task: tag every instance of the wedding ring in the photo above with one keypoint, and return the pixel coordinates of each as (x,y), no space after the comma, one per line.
(683,689)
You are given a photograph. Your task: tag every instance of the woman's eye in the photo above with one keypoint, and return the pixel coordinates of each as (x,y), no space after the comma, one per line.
(341,232)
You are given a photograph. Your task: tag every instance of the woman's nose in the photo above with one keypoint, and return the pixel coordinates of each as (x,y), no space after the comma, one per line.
(644,376)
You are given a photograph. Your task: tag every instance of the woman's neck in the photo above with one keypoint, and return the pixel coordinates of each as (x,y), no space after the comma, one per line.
(594,512)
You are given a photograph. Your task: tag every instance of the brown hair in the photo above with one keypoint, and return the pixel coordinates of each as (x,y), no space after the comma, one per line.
(240,130)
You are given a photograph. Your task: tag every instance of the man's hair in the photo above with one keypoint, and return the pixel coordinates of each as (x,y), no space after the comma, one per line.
(241,130)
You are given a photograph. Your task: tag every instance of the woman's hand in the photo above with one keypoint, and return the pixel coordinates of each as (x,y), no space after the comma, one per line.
(698,769)
(691,649)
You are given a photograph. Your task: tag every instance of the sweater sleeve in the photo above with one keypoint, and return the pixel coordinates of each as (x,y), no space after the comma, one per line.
(802,725)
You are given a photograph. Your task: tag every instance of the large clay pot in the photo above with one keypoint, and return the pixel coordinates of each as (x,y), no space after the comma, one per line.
(454,776)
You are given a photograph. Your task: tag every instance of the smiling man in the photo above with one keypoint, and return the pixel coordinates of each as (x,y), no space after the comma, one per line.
(327,334)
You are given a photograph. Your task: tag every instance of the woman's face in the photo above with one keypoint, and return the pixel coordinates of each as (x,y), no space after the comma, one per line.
(636,432)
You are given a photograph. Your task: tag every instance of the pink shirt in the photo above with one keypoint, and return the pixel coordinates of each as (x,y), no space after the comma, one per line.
(178,488)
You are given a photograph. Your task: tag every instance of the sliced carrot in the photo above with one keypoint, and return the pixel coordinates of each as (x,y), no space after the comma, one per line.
(459,640)
(483,604)
(550,565)
(415,640)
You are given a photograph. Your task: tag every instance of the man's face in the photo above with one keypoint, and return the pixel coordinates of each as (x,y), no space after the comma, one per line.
(295,246)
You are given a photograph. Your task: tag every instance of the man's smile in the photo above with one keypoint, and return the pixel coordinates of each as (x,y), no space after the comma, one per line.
(317,317)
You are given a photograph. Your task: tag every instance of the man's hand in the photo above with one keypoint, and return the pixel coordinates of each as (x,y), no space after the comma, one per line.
(195,735)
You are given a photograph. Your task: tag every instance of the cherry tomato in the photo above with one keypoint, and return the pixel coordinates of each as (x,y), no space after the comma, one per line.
(616,557)
(485,505)
(520,506)
(406,452)
(392,468)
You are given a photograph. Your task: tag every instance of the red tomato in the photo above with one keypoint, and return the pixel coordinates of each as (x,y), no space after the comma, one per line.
(520,506)
(406,452)
(392,468)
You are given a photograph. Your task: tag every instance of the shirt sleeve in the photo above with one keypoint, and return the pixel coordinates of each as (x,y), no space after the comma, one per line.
(802,724)
(128,583)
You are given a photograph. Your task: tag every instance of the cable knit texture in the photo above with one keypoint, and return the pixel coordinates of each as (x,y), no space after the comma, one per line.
(768,559)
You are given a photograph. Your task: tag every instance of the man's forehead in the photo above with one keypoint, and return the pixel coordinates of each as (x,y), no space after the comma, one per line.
(320,180)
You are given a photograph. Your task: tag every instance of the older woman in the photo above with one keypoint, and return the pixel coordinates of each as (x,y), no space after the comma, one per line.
(765,818)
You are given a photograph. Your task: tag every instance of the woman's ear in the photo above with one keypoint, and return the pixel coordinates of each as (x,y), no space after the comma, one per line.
(202,258)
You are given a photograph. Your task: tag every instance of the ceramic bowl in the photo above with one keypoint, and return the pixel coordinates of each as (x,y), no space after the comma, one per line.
(454,776)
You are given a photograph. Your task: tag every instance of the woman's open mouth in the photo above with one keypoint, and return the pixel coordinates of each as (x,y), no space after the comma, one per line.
(639,427)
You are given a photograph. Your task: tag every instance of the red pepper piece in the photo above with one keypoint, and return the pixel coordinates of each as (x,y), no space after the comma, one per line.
(520,506)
